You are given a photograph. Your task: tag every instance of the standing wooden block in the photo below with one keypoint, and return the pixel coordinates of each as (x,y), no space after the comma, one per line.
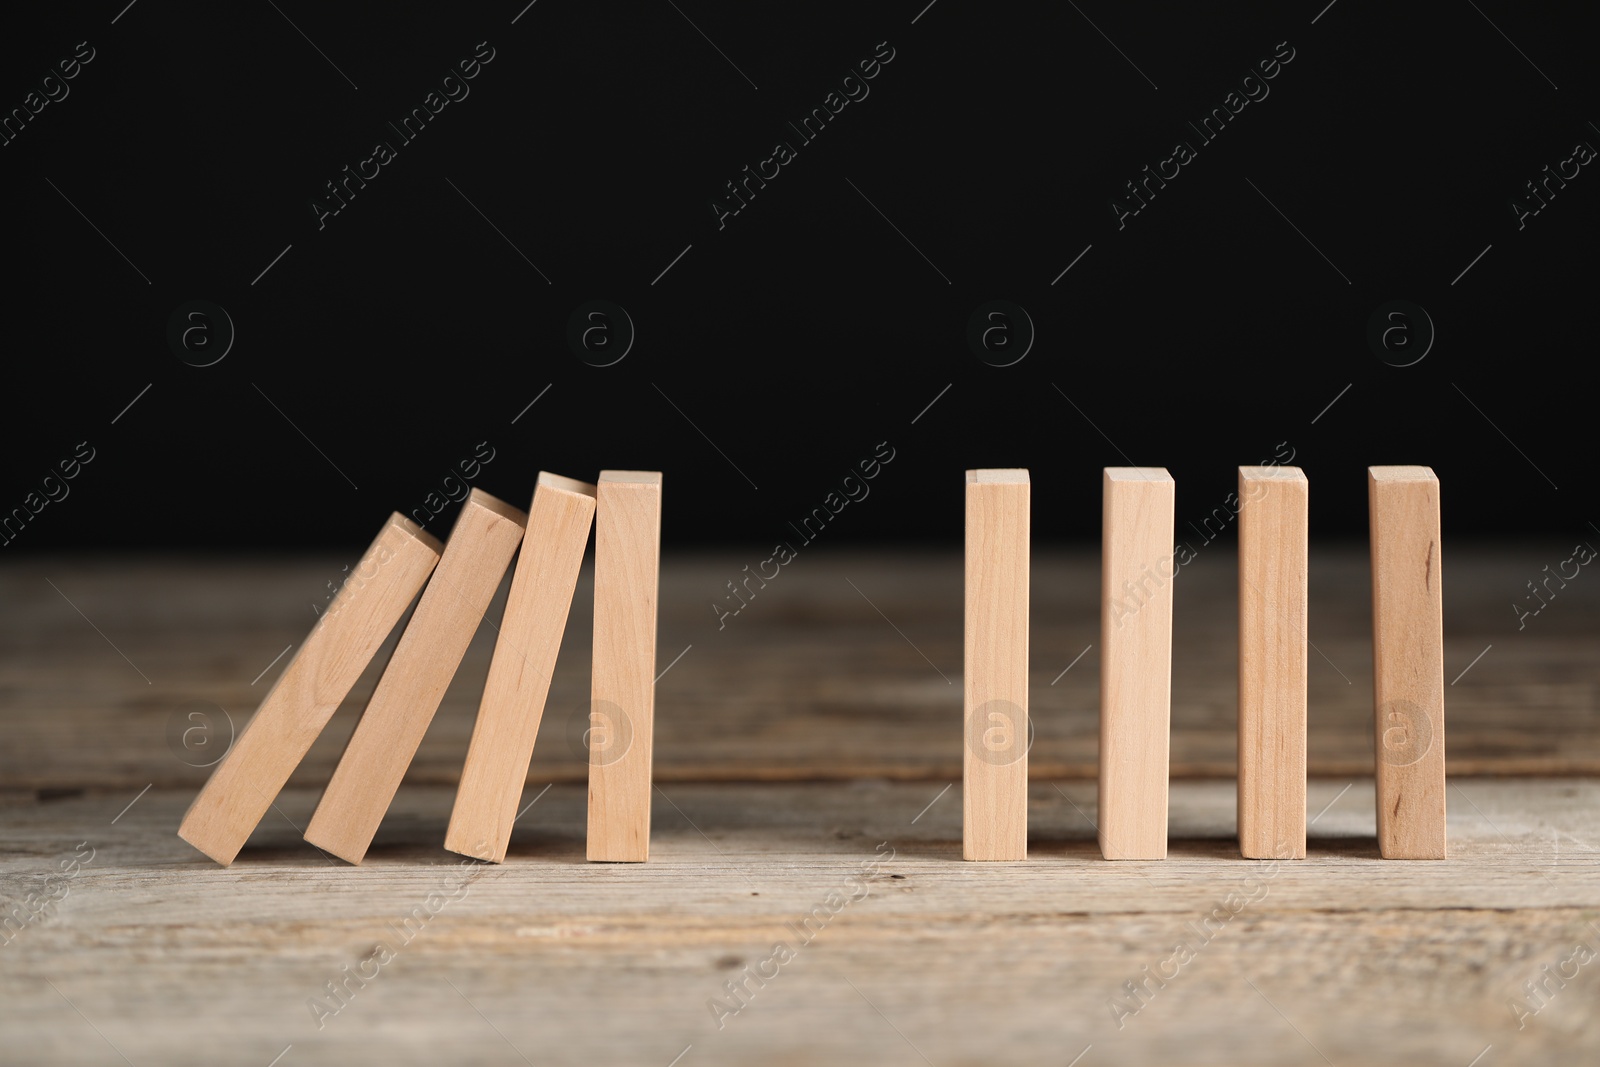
(1408,661)
(310,689)
(627,566)
(1136,574)
(1273,522)
(475,558)
(994,778)
(519,674)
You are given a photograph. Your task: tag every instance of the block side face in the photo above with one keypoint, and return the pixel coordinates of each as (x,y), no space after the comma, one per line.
(305,696)
(622,691)
(518,684)
(995,671)
(1135,666)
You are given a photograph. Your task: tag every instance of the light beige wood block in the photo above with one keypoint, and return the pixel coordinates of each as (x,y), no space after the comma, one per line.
(1273,525)
(627,577)
(1408,661)
(479,549)
(1136,575)
(513,702)
(313,684)
(994,777)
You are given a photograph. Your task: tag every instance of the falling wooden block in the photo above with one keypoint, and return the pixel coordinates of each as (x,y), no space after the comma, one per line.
(994,777)
(479,549)
(1136,574)
(519,674)
(1273,522)
(310,689)
(627,565)
(1408,661)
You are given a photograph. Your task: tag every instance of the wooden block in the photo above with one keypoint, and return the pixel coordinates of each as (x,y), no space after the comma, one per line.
(479,549)
(1408,661)
(519,674)
(994,775)
(310,689)
(627,566)
(1273,523)
(1136,574)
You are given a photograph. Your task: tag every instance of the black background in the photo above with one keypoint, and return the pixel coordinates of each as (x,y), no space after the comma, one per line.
(1201,336)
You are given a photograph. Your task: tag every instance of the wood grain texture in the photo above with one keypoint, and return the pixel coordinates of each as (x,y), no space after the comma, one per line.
(994,777)
(559,519)
(182,963)
(808,682)
(627,580)
(1273,527)
(479,549)
(1137,571)
(1408,661)
(305,696)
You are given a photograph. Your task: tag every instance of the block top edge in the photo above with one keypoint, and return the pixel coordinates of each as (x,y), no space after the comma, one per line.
(1137,474)
(565,484)
(998,476)
(498,506)
(1402,474)
(412,530)
(632,477)
(1272,474)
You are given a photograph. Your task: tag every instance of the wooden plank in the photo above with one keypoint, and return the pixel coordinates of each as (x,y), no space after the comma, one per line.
(1273,528)
(1136,575)
(994,778)
(1408,661)
(559,518)
(317,679)
(479,549)
(546,946)
(627,579)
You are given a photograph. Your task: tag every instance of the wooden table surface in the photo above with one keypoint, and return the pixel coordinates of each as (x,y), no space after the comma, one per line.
(808,756)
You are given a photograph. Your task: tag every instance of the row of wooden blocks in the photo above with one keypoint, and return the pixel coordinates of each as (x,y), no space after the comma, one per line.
(1138,568)
(457,581)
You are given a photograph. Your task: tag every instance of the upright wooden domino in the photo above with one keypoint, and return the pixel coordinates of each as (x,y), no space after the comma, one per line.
(994,779)
(1136,574)
(1408,661)
(1273,523)
(310,689)
(479,549)
(519,674)
(627,565)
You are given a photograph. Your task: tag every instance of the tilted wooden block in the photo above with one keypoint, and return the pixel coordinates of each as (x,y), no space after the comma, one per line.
(1136,574)
(994,779)
(479,549)
(627,565)
(519,674)
(1408,661)
(1273,524)
(310,689)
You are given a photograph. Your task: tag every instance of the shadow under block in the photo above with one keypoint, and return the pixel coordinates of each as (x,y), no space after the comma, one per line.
(310,689)
(994,778)
(1408,661)
(1273,526)
(1136,575)
(480,546)
(627,578)
(519,673)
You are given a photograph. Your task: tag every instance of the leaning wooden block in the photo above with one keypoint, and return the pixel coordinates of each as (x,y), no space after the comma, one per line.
(994,780)
(627,564)
(1408,661)
(519,674)
(479,549)
(1136,574)
(310,689)
(1273,523)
